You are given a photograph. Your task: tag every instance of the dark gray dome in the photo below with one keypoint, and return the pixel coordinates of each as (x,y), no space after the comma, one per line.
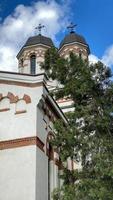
(35,40)
(71,38)
(39,39)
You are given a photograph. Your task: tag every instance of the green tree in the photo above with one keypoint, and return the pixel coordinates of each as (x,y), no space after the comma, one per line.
(88,138)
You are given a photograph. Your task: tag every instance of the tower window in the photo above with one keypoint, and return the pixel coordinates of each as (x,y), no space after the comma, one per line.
(80,53)
(33,64)
(22,62)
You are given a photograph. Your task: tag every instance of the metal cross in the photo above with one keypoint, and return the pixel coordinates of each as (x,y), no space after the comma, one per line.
(71,27)
(39,28)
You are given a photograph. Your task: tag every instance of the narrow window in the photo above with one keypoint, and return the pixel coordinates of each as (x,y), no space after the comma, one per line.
(80,54)
(22,62)
(33,64)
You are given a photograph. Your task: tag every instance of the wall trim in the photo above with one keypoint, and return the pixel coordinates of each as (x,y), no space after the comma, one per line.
(4,109)
(29,141)
(16,143)
(24,84)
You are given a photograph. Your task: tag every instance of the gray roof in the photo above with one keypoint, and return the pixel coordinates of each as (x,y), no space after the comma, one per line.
(35,40)
(39,39)
(71,38)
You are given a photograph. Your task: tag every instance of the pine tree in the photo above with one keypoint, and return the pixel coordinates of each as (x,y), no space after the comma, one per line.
(88,138)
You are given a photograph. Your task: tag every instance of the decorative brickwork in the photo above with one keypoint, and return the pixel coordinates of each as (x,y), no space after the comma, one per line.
(27,98)
(4,109)
(12,97)
(20,112)
(16,143)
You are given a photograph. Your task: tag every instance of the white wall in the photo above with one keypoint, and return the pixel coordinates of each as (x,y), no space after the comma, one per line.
(24,170)
(53,176)
(41,175)
(17,173)
(41,126)
(13,125)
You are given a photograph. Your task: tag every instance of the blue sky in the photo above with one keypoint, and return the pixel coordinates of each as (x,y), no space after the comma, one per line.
(93,17)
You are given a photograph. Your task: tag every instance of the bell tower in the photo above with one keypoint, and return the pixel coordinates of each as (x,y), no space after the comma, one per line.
(77,44)
(32,53)
(74,43)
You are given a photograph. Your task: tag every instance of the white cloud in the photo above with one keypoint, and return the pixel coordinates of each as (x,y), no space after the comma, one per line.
(21,24)
(8,61)
(93,59)
(108,56)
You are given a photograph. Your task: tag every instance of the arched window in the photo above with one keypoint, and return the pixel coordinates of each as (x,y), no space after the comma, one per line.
(80,53)
(21,66)
(33,64)
(22,61)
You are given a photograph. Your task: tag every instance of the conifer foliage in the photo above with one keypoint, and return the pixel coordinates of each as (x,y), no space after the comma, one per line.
(88,138)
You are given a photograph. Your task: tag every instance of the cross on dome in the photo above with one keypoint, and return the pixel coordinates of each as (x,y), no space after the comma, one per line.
(71,27)
(39,28)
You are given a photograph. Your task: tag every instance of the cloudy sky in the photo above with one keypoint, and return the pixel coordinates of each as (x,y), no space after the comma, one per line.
(18,19)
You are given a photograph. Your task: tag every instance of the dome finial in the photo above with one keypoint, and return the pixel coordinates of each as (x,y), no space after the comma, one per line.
(71,27)
(39,28)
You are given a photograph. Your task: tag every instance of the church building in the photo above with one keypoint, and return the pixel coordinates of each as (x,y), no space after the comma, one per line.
(29,165)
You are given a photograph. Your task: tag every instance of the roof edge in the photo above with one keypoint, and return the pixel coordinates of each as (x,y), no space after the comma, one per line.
(25,47)
(85,45)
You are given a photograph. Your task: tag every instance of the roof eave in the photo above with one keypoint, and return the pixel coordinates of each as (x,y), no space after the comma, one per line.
(85,45)
(25,47)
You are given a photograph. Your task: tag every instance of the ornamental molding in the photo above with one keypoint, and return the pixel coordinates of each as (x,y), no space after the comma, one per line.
(21,142)
(14,98)
(10,98)
(29,141)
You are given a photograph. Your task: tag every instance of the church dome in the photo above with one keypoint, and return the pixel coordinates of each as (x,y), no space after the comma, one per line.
(36,40)
(73,38)
(39,39)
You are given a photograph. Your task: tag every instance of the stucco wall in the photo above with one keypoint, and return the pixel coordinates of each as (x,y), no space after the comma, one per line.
(17,173)
(14,125)
(41,175)
(24,170)
(54,182)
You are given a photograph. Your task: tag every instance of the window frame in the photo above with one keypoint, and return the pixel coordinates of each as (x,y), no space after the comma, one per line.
(33,64)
